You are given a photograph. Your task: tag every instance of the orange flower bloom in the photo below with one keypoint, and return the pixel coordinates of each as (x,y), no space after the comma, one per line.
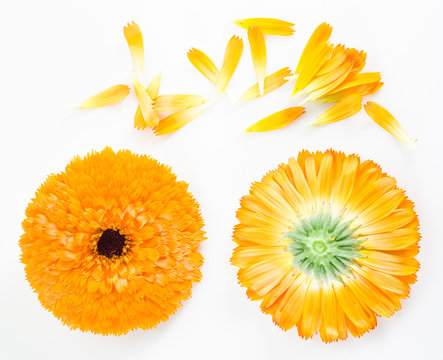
(111,243)
(327,244)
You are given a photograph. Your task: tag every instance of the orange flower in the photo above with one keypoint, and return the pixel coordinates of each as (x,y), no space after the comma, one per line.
(111,243)
(327,244)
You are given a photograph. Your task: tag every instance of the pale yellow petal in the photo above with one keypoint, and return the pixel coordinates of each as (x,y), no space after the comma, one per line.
(154,86)
(134,38)
(315,61)
(277,120)
(363,90)
(318,39)
(345,108)
(359,79)
(110,96)
(203,64)
(150,116)
(385,119)
(233,53)
(179,119)
(170,103)
(272,82)
(258,53)
(268,26)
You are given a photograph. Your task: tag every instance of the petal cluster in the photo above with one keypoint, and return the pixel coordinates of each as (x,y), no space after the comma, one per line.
(327,244)
(143,201)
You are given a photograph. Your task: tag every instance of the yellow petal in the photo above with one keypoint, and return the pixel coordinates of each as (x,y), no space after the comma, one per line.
(134,38)
(277,120)
(318,39)
(110,96)
(150,116)
(272,82)
(359,79)
(337,58)
(345,108)
(233,53)
(363,90)
(179,119)
(154,86)
(203,64)
(268,26)
(385,119)
(315,61)
(258,52)
(170,103)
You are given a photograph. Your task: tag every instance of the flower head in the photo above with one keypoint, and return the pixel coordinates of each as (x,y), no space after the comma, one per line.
(111,243)
(327,244)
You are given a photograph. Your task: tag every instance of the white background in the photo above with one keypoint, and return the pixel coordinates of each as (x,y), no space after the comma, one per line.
(56,53)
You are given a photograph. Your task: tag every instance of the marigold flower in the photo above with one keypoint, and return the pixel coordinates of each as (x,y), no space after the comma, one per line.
(327,244)
(111,243)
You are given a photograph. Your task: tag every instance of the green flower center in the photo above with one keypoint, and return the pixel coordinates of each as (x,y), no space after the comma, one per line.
(323,245)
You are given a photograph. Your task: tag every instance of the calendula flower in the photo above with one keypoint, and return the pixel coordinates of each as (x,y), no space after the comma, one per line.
(277,120)
(327,244)
(111,243)
(146,115)
(387,121)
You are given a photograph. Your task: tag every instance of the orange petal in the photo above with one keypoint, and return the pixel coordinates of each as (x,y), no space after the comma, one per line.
(170,103)
(385,119)
(337,58)
(150,116)
(179,119)
(134,38)
(154,86)
(272,82)
(203,64)
(110,96)
(277,120)
(359,79)
(345,108)
(258,52)
(363,90)
(268,26)
(233,53)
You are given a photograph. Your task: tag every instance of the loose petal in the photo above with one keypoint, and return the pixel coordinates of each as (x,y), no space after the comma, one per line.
(134,38)
(363,90)
(345,108)
(150,116)
(359,79)
(179,119)
(272,82)
(171,103)
(268,26)
(258,53)
(277,120)
(154,86)
(110,96)
(203,64)
(233,53)
(385,119)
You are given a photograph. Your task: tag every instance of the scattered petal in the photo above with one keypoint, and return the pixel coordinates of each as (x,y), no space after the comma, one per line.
(110,96)
(258,53)
(233,53)
(363,90)
(268,26)
(134,38)
(359,79)
(385,119)
(203,64)
(149,115)
(345,108)
(272,82)
(337,58)
(171,103)
(277,120)
(154,86)
(179,119)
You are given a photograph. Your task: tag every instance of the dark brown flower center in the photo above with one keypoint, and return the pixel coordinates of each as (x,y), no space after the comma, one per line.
(111,243)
